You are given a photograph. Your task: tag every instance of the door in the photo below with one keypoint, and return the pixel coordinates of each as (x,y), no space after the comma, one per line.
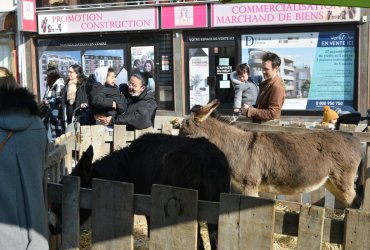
(208,75)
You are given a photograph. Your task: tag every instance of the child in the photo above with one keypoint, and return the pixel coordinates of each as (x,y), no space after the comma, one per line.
(105,99)
(246,90)
(330,117)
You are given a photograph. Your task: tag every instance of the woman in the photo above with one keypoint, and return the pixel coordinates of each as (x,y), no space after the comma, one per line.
(74,93)
(149,67)
(53,121)
(23,152)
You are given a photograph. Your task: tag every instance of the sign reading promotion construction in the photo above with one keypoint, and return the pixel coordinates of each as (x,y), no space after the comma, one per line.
(99,21)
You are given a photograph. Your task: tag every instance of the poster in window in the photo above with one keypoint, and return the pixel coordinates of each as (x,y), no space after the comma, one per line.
(89,53)
(198,73)
(318,68)
(142,60)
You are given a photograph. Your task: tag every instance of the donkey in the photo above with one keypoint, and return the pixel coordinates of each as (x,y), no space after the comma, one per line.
(159,159)
(282,162)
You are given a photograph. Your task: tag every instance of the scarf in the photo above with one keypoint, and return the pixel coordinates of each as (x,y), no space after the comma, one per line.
(71,93)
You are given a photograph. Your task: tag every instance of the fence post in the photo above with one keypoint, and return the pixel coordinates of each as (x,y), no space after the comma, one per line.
(70,212)
(173,218)
(356,231)
(113,216)
(311,227)
(246,222)
(119,137)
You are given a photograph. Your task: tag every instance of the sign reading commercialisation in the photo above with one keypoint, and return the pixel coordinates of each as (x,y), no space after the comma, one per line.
(98,21)
(248,14)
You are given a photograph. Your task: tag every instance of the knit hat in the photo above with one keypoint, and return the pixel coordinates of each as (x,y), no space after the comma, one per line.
(329,115)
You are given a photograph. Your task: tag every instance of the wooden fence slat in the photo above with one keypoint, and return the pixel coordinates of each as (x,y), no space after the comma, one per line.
(113,216)
(294,197)
(119,136)
(98,141)
(311,227)
(318,196)
(357,230)
(85,142)
(240,223)
(70,212)
(173,218)
(167,128)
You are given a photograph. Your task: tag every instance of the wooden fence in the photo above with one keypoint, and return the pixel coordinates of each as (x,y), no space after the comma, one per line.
(244,222)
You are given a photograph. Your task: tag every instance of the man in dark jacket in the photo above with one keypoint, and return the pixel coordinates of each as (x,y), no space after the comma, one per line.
(141,105)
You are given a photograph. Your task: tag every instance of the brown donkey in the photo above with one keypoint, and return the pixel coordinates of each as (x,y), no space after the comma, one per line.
(282,162)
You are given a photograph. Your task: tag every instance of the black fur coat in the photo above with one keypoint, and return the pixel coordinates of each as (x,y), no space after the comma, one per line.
(18,100)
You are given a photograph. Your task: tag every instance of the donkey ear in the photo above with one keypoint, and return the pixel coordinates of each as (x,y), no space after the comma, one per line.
(84,164)
(204,112)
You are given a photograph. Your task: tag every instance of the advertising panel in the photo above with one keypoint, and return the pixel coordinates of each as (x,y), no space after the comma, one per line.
(26,14)
(252,14)
(90,53)
(189,16)
(142,60)
(98,21)
(198,73)
(318,68)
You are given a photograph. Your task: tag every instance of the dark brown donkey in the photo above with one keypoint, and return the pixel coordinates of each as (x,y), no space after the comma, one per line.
(282,162)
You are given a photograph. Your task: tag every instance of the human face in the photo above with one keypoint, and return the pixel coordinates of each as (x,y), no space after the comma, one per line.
(111,79)
(135,87)
(148,67)
(268,71)
(72,75)
(243,77)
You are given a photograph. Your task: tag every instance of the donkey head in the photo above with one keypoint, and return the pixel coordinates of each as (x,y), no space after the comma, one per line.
(83,170)
(199,114)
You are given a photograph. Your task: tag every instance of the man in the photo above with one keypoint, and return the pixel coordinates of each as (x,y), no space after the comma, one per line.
(272,93)
(141,105)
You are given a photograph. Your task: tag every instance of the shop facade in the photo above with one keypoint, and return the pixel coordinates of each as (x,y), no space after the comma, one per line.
(193,48)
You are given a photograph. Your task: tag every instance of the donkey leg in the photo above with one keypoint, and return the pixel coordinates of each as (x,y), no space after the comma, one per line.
(251,190)
(343,191)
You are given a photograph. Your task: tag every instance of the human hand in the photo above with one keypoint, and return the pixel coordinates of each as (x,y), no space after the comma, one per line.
(114,105)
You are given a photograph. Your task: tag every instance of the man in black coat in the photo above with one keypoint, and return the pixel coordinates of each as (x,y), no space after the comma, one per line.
(141,105)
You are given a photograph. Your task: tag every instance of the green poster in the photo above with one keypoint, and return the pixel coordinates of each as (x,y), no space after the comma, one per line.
(357,3)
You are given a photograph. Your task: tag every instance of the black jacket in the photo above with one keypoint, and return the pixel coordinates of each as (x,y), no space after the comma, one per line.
(140,112)
(101,98)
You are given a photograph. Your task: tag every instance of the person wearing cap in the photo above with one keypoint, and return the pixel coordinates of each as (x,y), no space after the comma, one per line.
(330,117)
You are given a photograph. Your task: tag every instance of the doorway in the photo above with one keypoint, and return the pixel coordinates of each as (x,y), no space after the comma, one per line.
(208,75)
